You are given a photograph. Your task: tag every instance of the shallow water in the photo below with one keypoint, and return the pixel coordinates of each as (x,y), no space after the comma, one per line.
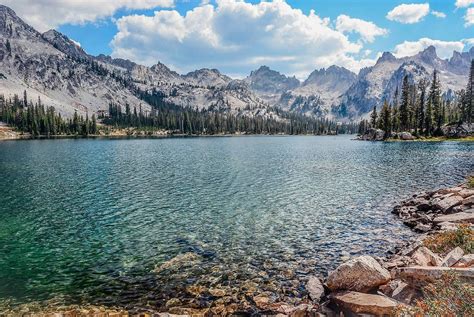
(89,220)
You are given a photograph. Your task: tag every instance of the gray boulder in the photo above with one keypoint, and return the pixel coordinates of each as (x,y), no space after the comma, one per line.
(359,274)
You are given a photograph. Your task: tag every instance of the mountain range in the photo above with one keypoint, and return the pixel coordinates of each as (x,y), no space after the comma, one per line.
(57,70)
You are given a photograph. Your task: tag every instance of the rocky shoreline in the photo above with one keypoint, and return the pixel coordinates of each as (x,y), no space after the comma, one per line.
(394,285)
(449,132)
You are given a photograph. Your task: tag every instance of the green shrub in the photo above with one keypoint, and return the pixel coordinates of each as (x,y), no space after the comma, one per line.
(444,242)
(448,296)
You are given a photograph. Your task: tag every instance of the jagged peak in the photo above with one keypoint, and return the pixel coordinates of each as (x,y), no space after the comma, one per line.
(264,69)
(386,56)
(429,53)
(333,70)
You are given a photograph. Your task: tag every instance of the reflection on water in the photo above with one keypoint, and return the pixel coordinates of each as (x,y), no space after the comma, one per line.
(92,219)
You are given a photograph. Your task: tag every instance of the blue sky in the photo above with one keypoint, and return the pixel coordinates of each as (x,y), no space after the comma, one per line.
(350,33)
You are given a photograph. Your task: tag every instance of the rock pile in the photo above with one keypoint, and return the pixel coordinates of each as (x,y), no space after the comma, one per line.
(440,209)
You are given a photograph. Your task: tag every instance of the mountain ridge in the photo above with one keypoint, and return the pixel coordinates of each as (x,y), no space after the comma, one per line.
(55,68)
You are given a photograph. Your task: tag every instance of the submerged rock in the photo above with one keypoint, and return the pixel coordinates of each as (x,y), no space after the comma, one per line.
(359,274)
(177,261)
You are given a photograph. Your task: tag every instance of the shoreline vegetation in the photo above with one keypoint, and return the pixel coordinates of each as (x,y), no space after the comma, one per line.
(34,120)
(422,113)
(430,276)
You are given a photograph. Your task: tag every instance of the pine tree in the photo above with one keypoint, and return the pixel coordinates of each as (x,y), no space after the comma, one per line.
(468,111)
(386,119)
(404,106)
(420,111)
(373,117)
(435,102)
(94,125)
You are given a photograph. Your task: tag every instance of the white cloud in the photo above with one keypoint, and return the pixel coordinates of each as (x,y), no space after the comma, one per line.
(438,14)
(367,30)
(464,3)
(444,49)
(409,13)
(48,14)
(469,17)
(236,37)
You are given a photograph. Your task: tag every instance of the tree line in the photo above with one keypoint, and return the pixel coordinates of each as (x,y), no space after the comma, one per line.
(40,120)
(188,120)
(422,109)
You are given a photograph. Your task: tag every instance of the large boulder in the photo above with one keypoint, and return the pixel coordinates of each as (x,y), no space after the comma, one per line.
(458,130)
(359,274)
(361,303)
(373,135)
(407,136)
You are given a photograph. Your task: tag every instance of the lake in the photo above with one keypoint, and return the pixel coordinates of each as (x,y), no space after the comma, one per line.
(91,220)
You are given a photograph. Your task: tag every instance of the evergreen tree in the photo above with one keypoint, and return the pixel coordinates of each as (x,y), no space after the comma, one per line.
(373,117)
(420,111)
(386,118)
(404,106)
(468,108)
(435,102)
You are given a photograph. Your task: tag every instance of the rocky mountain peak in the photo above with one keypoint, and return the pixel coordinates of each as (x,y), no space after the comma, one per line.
(207,77)
(386,57)
(266,80)
(65,45)
(428,55)
(331,74)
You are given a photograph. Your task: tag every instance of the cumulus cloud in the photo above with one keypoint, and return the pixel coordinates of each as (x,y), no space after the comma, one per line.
(48,14)
(367,30)
(409,13)
(469,17)
(444,49)
(463,3)
(438,14)
(236,37)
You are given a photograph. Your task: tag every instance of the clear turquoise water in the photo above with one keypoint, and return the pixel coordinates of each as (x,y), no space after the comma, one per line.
(88,220)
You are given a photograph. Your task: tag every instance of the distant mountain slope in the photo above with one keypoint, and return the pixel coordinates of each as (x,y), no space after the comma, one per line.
(381,80)
(40,64)
(320,92)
